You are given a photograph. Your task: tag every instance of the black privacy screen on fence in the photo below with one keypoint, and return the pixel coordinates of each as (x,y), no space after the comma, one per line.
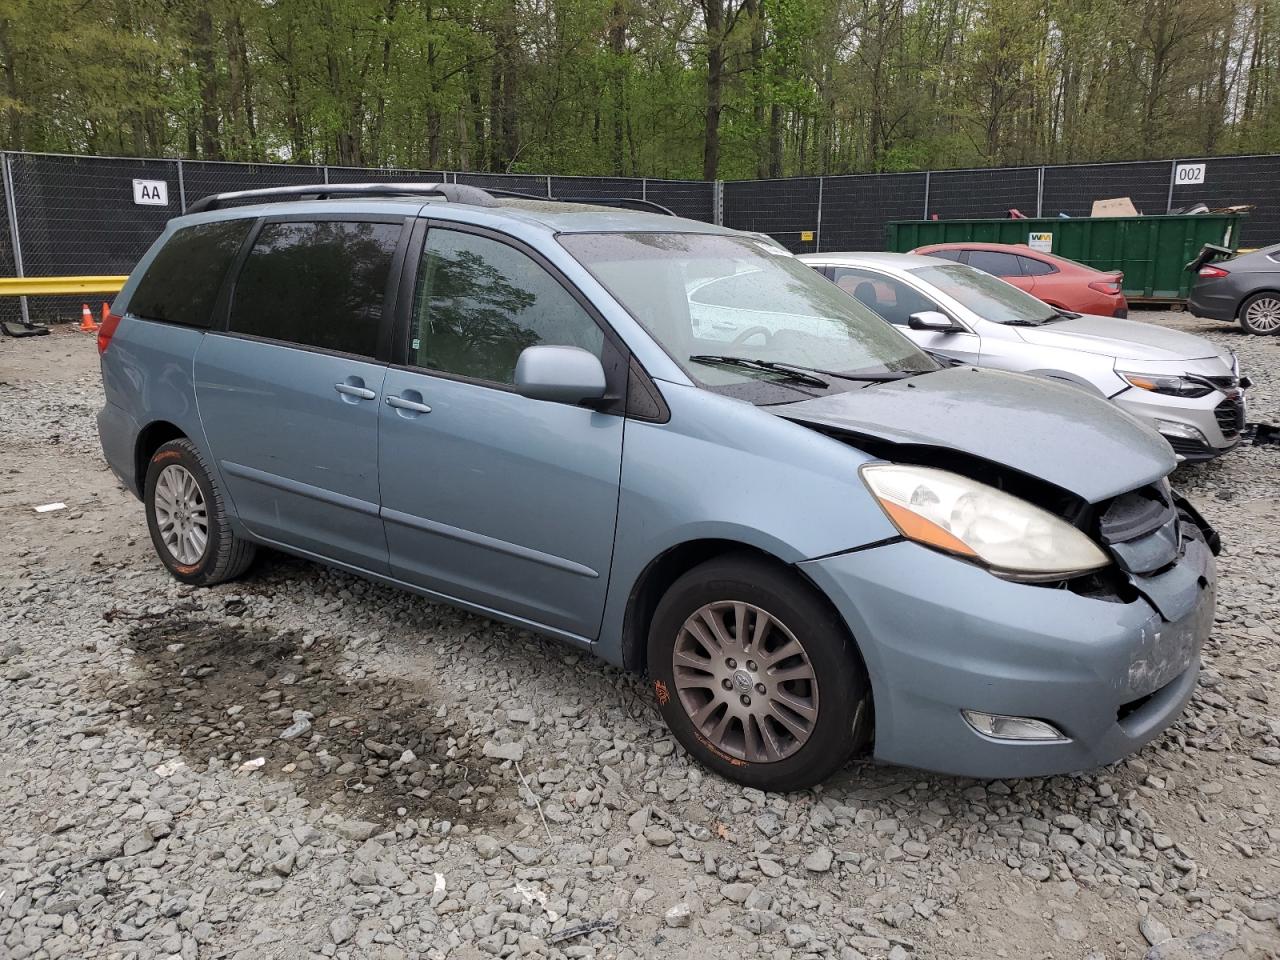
(79,215)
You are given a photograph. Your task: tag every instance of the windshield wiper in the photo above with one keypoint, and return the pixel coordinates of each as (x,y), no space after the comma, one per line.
(1059,315)
(794,374)
(859,377)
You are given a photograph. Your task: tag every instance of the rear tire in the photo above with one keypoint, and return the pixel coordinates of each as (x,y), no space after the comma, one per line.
(781,709)
(1260,314)
(187,518)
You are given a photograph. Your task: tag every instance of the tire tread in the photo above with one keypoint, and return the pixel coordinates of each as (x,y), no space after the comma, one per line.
(232,554)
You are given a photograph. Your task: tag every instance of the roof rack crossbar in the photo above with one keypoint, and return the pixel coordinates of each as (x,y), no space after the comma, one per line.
(453,192)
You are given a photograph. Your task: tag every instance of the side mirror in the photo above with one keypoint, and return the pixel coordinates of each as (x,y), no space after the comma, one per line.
(559,374)
(932,320)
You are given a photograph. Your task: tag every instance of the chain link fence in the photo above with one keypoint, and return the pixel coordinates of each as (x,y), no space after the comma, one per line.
(72,215)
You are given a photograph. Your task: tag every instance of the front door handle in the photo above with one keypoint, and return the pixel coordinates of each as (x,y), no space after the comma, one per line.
(354,390)
(404,403)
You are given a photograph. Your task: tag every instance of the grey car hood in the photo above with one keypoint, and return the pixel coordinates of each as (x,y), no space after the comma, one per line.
(1053,431)
(1122,339)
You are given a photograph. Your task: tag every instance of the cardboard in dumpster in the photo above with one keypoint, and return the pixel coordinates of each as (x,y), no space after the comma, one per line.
(1117,207)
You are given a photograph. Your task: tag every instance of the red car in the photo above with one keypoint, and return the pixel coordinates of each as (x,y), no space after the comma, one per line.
(1059,282)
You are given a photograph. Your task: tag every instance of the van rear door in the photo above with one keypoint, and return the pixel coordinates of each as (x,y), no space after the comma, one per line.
(289,392)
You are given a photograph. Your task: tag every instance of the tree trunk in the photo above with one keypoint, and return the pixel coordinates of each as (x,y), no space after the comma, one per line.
(478,158)
(754,9)
(714,14)
(775,140)
(202,50)
(14,140)
(618,46)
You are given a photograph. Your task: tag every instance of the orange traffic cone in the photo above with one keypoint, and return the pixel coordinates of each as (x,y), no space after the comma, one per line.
(86,321)
(106,311)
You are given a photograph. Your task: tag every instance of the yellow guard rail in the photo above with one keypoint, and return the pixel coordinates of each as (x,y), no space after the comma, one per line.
(58,286)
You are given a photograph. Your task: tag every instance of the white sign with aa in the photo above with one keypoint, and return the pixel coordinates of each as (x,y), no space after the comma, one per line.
(151,192)
(1188,174)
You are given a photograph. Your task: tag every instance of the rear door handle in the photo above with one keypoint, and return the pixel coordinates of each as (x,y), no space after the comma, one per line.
(401,403)
(352,390)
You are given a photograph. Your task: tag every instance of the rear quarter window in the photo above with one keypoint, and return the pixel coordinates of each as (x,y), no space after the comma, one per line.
(1035,268)
(182,282)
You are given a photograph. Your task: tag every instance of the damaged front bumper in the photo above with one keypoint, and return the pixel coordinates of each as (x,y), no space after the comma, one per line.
(940,636)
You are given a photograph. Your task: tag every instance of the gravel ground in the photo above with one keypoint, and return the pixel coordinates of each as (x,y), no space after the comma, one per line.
(453,787)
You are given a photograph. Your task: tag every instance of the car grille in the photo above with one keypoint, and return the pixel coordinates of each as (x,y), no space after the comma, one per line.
(1230,416)
(1186,447)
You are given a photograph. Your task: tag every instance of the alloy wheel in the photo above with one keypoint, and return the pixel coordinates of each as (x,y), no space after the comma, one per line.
(1264,314)
(180,514)
(745,681)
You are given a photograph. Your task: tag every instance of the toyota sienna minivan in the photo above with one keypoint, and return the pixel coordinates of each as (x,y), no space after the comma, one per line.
(813,539)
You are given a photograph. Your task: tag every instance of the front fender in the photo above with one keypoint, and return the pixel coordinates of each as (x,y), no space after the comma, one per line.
(724,470)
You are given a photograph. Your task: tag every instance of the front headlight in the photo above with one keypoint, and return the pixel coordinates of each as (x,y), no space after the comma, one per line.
(1169,386)
(1011,537)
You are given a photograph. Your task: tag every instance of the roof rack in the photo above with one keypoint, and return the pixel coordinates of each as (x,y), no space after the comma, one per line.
(453,192)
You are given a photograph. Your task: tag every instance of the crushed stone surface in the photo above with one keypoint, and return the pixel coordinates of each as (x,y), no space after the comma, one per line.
(302,764)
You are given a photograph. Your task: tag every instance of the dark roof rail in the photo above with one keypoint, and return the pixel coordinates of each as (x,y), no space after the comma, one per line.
(635,202)
(453,192)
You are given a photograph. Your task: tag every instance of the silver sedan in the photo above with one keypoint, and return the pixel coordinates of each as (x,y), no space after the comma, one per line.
(1189,390)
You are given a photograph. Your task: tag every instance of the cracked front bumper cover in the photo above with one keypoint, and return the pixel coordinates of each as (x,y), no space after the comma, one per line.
(940,635)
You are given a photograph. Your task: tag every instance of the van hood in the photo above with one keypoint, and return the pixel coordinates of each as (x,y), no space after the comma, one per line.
(1057,432)
(1122,339)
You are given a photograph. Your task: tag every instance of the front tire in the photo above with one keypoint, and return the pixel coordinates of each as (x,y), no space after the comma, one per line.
(187,518)
(1260,314)
(756,675)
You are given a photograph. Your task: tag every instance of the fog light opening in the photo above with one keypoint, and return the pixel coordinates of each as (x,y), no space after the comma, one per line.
(1183,431)
(1000,727)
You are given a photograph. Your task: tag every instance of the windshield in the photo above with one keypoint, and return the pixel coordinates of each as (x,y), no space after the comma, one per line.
(710,295)
(987,296)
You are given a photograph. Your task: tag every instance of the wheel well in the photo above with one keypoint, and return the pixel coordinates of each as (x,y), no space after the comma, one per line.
(150,439)
(1251,294)
(653,582)
(668,567)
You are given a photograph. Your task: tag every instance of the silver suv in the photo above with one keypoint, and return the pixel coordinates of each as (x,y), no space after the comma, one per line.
(674,446)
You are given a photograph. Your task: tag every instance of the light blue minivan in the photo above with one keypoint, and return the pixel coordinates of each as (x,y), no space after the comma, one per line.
(573,418)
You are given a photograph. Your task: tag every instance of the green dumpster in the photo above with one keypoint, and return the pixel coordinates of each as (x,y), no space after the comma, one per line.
(1152,251)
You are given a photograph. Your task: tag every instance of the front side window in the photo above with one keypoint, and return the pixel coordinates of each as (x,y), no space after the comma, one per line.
(996,264)
(480,302)
(887,296)
(734,296)
(317,284)
(183,280)
(987,296)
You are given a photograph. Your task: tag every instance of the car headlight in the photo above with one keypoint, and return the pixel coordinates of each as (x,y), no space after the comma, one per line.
(951,513)
(1169,386)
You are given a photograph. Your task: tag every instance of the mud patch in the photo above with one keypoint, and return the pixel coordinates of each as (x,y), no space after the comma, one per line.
(376,746)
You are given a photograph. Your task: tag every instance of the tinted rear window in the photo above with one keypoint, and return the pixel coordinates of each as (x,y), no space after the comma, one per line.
(183,280)
(999,264)
(317,283)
